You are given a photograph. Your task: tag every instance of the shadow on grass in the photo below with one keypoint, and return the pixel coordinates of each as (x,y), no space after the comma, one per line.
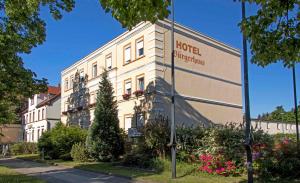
(277,180)
(117,170)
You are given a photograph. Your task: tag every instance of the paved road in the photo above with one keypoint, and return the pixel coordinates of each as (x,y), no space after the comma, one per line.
(60,174)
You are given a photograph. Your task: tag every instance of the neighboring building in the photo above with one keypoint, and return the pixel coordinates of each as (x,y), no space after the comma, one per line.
(10,133)
(208,78)
(42,114)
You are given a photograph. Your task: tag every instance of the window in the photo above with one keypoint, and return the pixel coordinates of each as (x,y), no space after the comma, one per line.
(38,134)
(94,70)
(140,120)
(30,117)
(127,122)
(32,135)
(108,62)
(140,83)
(33,116)
(127,54)
(43,113)
(32,101)
(92,97)
(66,84)
(81,76)
(39,117)
(71,81)
(139,48)
(66,106)
(128,87)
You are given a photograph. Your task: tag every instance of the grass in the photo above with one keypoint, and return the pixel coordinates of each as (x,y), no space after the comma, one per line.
(185,172)
(8,175)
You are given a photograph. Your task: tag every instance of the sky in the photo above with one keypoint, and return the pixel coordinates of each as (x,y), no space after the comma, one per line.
(87,27)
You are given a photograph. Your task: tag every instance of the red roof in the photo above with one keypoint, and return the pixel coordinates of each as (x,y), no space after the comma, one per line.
(53,90)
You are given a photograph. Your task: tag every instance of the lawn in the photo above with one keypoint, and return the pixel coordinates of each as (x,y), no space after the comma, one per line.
(9,176)
(185,172)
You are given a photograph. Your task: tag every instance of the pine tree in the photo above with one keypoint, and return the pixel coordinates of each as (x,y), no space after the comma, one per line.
(104,140)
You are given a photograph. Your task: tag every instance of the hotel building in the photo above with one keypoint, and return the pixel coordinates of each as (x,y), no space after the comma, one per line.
(207,78)
(41,114)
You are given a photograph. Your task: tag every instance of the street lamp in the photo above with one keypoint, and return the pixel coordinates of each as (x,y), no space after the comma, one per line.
(296,105)
(248,137)
(172,143)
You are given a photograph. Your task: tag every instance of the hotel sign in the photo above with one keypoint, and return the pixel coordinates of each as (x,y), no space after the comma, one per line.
(188,53)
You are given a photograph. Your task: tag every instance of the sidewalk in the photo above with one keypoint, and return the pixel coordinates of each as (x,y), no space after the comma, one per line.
(59,174)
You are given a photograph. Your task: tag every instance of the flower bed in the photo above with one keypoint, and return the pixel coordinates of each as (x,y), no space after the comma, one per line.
(218,165)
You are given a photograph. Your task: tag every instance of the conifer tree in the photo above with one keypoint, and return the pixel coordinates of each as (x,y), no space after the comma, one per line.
(104,140)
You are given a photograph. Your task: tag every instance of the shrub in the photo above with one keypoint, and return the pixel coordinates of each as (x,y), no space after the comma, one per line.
(143,160)
(58,142)
(218,165)
(282,136)
(283,160)
(79,152)
(24,148)
(157,135)
(189,138)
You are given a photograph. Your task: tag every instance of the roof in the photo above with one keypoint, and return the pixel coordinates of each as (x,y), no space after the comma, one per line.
(55,90)
(48,101)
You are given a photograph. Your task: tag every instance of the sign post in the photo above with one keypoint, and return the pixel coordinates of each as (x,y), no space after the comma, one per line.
(173,126)
(248,136)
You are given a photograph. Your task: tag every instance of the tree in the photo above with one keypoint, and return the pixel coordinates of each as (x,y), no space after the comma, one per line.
(129,12)
(273,32)
(104,139)
(21,29)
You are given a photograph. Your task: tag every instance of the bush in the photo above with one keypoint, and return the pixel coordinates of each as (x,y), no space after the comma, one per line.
(79,152)
(58,142)
(24,148)
(282,160)
(157,136)
(146,161)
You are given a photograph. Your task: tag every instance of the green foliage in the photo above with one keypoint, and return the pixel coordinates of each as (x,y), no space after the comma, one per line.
(58,142)
(21,29)
(273,32)
(189,138)
(104,141)
(24,148)
(225,140)
(282,136)
(140,160)
(79,152)
(129,13)
(282,160)
(280,115)
(157,135)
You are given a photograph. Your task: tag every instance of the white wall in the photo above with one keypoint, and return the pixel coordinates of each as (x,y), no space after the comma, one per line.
(274,127)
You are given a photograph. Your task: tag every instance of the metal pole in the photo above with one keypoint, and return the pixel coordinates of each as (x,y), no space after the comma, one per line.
(296,105)
(248,138)
(173,126)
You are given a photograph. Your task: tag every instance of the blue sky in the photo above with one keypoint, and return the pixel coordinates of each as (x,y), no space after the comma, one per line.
(87,27)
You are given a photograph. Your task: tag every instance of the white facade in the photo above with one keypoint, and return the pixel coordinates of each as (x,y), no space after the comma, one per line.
(42,114)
